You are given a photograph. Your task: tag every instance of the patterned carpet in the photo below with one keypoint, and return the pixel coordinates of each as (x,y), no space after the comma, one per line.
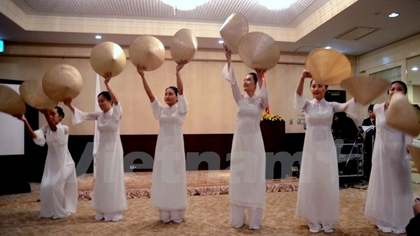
(206,215)
(202,183)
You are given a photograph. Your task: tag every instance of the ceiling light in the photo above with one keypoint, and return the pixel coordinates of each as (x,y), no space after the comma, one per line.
(98,36)
(276,5)
(184,5)
(221,41)
(415,68)
(328,47)
(392,15)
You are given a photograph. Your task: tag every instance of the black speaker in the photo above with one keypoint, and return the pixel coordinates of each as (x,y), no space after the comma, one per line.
(335,96)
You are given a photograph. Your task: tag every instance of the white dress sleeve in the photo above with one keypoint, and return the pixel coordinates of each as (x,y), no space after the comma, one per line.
(80,116)
(182,104)
(229,75)
(40,136)
(299,103)
(376,109)
(351,108)
(157,108)
(66,130)
(61,134)
(408,141)
(263,96)
(117,111)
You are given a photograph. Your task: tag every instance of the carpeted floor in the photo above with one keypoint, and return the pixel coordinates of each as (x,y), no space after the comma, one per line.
(206,215)
(202,183)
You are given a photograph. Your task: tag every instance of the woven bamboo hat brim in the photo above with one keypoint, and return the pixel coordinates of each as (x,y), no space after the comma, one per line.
(147,52)
(107,57)
(402,115)
(259,51)
(365,89)
(11,102)
(328,66)
(61,82)
(183,46)
(415,155)
(33,94)
(234,28)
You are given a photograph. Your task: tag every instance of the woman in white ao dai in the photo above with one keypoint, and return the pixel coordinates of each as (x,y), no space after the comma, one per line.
(109,196)
(390,192)
(247,168)
(318,195)
(59,183)
(169,185)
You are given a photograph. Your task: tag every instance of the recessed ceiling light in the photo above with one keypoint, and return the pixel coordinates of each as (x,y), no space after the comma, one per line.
(328,47)
(276,5)
(98,36)
(415,68)
(392,15)
(221,41)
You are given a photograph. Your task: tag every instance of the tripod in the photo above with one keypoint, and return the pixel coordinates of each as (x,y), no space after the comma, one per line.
(355,145)
(368,152)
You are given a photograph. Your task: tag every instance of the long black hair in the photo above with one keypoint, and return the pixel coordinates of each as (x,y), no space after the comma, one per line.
(60,111)
(254,76)
(175,89)
(106,95)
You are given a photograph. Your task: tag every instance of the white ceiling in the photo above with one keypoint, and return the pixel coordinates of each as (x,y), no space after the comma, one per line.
(308,24)
(213,11)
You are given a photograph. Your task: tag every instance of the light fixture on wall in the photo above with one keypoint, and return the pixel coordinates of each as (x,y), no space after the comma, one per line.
(276,5)
(328,47)
(184,5)
(98,36)
(415,68)
(392,15)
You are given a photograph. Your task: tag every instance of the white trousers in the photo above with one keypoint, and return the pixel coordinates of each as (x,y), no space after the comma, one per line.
(238,218)
(317,227)
(115,216)
(176,216)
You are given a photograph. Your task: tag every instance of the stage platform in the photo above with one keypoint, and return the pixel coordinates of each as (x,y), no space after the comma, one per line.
(199,183)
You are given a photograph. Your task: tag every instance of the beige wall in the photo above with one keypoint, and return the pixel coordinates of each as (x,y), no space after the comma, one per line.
(416,94)
(212,109)
(391,56)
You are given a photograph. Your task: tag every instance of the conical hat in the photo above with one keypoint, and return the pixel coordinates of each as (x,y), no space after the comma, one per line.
(328,66)
(234,28)
(107,57)
(259,51)
(183,46)
(402,115)
(147,52)
(33,94)
(415,155)
(365,89)
(11,102)
(61,82)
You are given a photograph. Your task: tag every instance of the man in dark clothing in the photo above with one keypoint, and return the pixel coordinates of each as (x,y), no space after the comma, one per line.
(368,143)
(413,228)
(343,127)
